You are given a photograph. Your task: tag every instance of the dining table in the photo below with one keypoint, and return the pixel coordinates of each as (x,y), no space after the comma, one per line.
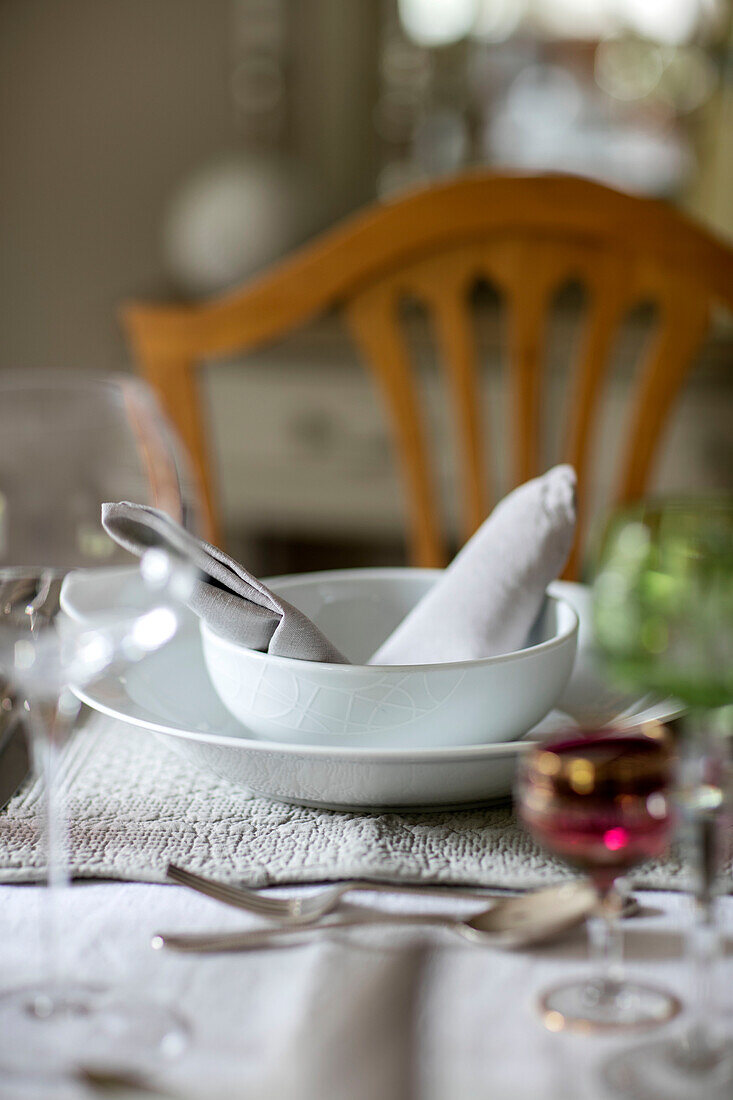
(371,1012)
(376,1011)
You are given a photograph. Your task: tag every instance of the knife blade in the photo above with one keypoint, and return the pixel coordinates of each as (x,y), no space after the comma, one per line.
(15,761)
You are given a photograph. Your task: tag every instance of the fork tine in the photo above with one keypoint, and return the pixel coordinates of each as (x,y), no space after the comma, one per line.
(190,878)
(256,904)
(238,896)
(229,895)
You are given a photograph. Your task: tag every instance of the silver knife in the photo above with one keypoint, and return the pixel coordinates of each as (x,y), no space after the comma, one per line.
(15,762)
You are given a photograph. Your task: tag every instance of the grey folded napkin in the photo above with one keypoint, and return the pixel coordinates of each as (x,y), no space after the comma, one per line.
(485,604)
(225,595)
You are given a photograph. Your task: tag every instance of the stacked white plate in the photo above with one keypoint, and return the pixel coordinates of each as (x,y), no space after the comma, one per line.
(170,694)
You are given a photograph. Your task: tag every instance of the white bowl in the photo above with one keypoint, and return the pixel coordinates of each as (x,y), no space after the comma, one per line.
(460,703)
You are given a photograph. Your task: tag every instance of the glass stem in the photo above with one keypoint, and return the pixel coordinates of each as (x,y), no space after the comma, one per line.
(701,800)
(48,724)
(703,949)
(605,942)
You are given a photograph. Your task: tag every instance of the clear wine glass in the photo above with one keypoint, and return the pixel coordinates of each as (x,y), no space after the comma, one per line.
(600,801)
(663,619)
(69,443)
(50,1028)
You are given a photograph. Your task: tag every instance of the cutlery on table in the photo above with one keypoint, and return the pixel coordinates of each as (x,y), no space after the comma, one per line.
(295,911)
(509,922)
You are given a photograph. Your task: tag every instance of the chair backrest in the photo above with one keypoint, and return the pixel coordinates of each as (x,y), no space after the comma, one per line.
(527,235)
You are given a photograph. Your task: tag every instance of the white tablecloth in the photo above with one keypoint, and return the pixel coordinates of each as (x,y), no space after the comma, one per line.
(392,1014)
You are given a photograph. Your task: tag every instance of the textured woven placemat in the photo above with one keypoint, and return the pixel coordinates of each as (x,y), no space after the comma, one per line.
(134,806)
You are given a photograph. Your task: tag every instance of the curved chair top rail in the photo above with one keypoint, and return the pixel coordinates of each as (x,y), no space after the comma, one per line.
(390,234)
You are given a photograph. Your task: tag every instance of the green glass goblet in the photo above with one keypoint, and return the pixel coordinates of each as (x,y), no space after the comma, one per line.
(663,622)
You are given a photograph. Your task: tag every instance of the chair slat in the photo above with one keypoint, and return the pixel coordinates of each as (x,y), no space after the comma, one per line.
(444,284)
(161,471)
(610,290)
(175,380)
(458,359)
(527,272)
(373,318)
(683,321)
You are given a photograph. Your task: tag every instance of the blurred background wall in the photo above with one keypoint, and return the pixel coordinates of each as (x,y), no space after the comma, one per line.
(169,148)
(111,110)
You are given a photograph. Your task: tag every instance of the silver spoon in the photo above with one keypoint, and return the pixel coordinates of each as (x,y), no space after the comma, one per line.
(510,922)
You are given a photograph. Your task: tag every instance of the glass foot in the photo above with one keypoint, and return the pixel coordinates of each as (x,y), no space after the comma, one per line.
(60,1032)
(665,1070)
(605,1006)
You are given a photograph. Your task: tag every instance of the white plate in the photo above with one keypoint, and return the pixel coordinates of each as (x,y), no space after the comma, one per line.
(170,694)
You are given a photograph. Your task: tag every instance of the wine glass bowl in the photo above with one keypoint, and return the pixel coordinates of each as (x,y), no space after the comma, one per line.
(600,801)
(663,599)
(72,440)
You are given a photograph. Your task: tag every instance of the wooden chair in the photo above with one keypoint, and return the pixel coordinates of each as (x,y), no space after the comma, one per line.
(527,236)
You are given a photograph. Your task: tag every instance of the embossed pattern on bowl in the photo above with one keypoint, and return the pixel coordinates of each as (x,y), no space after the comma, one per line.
(466,702)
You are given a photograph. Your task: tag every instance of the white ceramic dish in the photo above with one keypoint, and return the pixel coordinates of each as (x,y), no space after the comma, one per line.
(170,694)
(387,706)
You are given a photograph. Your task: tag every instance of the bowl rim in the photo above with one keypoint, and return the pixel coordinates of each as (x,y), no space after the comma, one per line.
(558,639)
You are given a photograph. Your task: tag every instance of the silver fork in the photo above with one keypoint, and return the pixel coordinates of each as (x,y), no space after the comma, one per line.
(309,909)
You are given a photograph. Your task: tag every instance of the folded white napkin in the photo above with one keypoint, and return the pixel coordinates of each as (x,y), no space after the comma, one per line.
(491,593)
(485,604)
